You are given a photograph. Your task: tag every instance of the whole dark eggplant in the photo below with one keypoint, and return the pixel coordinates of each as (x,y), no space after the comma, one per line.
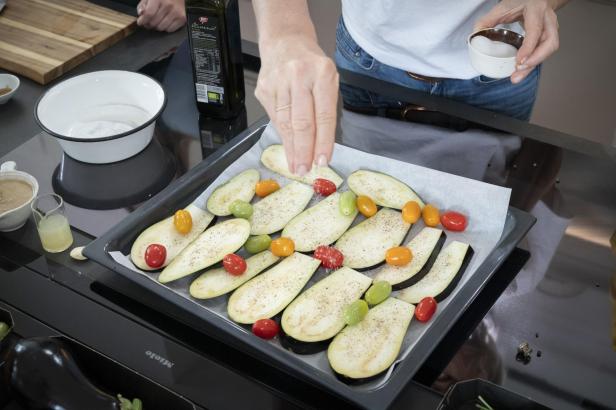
(43,375)
(7,341)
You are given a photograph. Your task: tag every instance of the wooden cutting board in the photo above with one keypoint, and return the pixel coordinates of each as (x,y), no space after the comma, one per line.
(43,39)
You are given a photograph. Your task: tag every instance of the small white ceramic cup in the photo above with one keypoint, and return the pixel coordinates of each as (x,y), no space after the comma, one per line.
(11,81)
(14,219)
(490,66)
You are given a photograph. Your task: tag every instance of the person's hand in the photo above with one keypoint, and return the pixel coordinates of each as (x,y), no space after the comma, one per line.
(161,15)
(298,87)
(540,24)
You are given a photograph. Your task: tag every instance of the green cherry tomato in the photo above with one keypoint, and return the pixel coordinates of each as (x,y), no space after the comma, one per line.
(137,404)
(347,203)
(256,244)
(355,312)
(241,209)
(378,292)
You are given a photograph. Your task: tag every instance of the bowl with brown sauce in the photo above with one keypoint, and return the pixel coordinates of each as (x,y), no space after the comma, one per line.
(17,190)
(8,85)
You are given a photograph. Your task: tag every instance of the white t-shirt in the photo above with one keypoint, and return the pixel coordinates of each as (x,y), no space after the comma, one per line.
(426,37)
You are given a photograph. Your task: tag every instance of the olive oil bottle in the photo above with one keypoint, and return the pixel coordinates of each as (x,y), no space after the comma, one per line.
(216,53)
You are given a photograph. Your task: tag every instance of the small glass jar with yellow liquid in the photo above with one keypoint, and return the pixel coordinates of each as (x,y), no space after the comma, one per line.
(51,223)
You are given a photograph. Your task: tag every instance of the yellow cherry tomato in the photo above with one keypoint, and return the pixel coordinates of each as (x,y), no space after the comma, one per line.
(266,187)
(282,246)
(366,206)
(430,215)
(398,256)
(182,220)
(411,212)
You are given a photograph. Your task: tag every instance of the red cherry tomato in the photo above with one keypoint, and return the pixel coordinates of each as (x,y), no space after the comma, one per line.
(155,255)
(330,257)
(265,328)
(323,187)
(234,264)
(425,309)
(453,221)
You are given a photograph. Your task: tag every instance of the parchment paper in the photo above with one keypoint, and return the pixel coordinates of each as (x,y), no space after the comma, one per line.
(484,204)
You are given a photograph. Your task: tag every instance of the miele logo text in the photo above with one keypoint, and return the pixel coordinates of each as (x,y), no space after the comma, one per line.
(159,359)
(203,20)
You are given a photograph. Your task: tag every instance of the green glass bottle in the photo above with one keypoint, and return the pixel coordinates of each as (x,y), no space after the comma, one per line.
(216,53)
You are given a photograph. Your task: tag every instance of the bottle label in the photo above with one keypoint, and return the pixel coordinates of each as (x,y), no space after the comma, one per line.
(204,36)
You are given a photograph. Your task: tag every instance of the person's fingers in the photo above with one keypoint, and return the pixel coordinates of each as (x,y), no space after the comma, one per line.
(163,11)
(177,24)
(166,22)
(533,25)
(302,121)
(282,121)
(520,75)
(141,6)
(325,103)
(148,12)
(549,42)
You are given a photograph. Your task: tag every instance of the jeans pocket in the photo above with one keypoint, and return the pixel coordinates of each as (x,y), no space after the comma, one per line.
(485,80)
(350,50)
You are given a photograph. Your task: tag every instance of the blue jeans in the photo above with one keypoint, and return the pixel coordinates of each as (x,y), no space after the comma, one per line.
(498,95)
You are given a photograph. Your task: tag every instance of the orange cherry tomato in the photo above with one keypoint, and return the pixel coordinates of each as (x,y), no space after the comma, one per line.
(430,215)
(265,187)
(411,212)
(282,246)
(398,256)
(182,220)
(366,206)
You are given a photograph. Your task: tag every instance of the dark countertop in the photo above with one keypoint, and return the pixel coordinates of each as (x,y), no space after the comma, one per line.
(132,53)
(559,302)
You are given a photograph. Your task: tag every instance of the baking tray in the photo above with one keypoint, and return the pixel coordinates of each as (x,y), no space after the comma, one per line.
(176,304)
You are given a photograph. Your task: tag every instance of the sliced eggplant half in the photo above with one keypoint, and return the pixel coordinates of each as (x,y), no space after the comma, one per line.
(444,275)
(241,186)
(273,212)
(164,233)
(425,248)
(274,158)
(209,248)
(368,348)
(384,190)
(318,313)
(269,293)
(322,224)
(365,244)
(217,282)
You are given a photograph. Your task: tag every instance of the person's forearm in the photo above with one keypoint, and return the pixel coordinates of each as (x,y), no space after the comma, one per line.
(282,18)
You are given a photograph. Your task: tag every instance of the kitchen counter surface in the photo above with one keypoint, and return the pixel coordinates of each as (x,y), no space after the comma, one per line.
(17,123)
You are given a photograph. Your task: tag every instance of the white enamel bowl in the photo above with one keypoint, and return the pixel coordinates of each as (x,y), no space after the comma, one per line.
(103,116)
(491,66)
